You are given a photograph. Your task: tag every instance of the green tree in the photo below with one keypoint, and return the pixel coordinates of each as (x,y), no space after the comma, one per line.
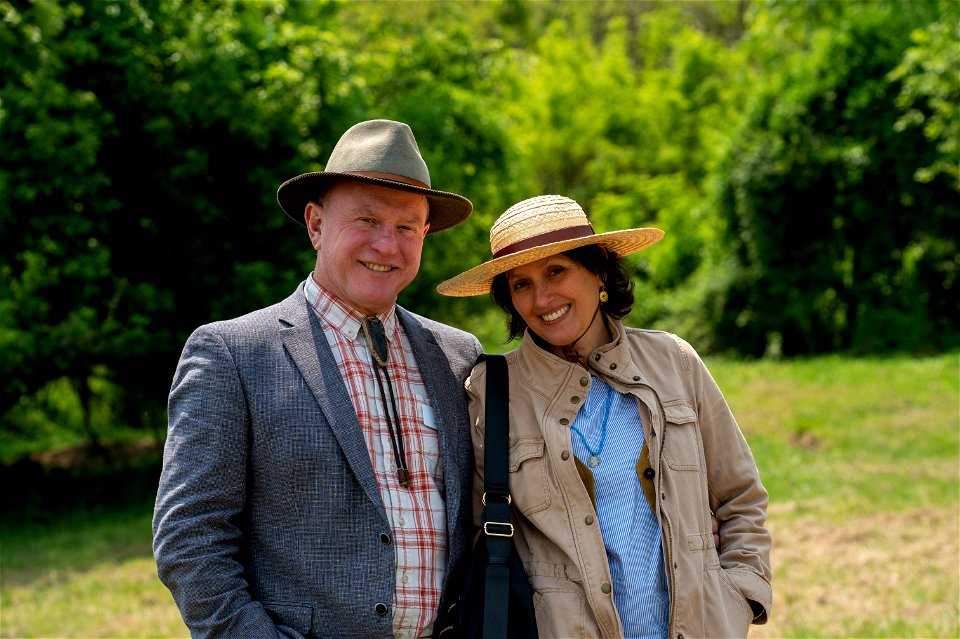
(837,245)
(145,143)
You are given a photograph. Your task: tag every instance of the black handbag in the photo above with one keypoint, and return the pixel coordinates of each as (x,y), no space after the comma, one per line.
(488,595)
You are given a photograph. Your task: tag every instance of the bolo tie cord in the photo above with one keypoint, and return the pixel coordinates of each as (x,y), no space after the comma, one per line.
(379,355)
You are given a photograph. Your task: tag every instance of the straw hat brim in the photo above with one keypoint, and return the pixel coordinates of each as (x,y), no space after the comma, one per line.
(477,281)
(446,209)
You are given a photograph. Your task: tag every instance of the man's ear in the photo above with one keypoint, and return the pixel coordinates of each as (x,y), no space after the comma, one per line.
(313,219)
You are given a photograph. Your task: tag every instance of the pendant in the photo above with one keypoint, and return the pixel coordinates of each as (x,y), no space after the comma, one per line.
(593,461)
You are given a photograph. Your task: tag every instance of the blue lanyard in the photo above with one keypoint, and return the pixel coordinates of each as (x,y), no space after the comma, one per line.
(594,459)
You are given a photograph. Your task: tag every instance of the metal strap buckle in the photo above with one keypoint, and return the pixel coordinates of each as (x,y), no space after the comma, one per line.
(507,529)
(484,499)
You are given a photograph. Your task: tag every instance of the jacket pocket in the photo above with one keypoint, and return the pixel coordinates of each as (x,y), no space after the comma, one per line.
(681,447)
(724,605)
(295,616)
(560,607)
(528,476)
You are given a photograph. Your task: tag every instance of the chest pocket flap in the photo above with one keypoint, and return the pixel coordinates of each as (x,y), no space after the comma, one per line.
(528,476)
(682,444)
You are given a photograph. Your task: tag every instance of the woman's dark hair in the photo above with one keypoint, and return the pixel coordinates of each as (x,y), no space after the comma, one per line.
(600,261)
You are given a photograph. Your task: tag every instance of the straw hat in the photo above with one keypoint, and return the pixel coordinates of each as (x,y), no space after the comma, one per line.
(381,152)
(536,228)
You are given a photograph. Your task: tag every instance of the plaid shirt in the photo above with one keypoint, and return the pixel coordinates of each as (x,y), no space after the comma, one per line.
(417,514)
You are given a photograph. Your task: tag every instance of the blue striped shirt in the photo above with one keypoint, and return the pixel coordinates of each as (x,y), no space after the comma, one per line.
(631,534)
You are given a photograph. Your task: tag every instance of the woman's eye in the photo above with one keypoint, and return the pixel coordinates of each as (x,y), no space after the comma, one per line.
(519,284)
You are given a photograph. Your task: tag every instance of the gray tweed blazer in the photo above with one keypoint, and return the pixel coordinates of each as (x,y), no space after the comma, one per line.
(268,520)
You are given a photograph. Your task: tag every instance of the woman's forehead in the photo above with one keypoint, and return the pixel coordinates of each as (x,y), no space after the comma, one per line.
(538,265)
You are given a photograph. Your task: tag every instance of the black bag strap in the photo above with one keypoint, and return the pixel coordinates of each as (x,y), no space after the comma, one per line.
(496,499)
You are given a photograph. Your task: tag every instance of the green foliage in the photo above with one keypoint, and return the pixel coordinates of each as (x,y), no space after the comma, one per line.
(835,241)
(801,157)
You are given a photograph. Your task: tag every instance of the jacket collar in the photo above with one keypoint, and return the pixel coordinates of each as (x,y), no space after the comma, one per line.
(612,362)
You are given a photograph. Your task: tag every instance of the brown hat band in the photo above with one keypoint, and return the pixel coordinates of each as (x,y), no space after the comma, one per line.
(569,233)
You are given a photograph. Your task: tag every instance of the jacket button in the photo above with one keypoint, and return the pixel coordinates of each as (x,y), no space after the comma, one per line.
(636,378)
(597,357)
(385,539)
(613,366)
(680,636)
(605,589)
(584,381)
(648,473)
(564,421)
(381,609)
(565,455)
(574,399)
(588,520)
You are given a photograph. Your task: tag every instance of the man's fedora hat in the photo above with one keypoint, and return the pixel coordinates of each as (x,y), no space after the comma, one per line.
(381,152)
(537,228)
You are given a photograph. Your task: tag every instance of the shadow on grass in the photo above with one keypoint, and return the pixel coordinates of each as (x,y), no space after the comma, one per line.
(76,510)
(43,488)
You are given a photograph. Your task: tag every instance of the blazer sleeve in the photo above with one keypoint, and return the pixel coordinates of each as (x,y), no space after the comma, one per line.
(197,539)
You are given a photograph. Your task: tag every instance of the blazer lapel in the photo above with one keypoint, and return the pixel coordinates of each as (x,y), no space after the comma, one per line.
(441,385)
(304,340)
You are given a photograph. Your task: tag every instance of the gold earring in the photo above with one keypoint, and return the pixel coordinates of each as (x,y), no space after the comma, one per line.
(603,296)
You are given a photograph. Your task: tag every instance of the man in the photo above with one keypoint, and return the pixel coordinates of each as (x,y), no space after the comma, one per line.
(316,475)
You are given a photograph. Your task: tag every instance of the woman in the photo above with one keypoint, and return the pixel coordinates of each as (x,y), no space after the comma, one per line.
(622,448)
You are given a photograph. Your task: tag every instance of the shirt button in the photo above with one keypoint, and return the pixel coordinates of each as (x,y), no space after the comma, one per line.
(385,539)
(564,421)
(574,399)
(402,521)
(405,579)
(380,609)
(605,589)
(584,381)
(613,366)
(648,473)
(565,455)
(589,520)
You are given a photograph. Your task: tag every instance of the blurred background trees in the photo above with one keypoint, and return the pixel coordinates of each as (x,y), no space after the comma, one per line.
(801,157)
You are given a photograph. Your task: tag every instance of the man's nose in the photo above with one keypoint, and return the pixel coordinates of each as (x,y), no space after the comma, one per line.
(385,239)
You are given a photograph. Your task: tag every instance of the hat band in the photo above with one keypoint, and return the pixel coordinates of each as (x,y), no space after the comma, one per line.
(570,233)
(392,177)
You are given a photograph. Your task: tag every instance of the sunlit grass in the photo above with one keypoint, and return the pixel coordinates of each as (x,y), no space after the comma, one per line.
(853,432)
(88,575)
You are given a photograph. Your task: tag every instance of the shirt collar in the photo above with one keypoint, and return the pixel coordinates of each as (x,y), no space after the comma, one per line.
(339,315)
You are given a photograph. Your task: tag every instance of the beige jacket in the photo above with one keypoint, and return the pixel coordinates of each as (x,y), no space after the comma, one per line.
(698,463)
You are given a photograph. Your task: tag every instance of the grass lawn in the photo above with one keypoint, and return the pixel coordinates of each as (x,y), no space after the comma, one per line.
(861,458)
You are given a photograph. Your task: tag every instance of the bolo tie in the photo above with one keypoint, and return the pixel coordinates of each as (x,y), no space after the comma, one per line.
(379,355)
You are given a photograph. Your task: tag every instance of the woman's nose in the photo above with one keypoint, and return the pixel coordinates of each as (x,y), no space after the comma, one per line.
(542,294)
